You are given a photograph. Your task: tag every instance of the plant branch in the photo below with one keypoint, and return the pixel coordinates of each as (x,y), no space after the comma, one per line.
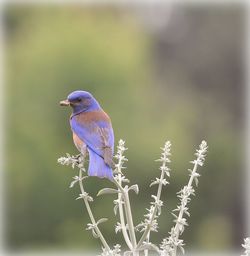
(123,198)
(94,223)
(128,212)
(179,226)
(123,224)
(172,243)
(164,170)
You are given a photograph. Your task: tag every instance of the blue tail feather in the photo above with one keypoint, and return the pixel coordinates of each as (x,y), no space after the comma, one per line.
(97,166)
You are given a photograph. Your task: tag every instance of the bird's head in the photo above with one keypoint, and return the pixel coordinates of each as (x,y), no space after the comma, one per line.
(81,101)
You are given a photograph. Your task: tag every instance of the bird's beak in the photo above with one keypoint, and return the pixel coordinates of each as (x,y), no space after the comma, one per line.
(64,103)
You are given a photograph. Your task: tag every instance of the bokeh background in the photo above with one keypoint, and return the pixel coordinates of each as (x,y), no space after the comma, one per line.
(162,72)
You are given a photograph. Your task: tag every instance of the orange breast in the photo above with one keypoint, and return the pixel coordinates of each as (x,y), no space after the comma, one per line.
(80,145)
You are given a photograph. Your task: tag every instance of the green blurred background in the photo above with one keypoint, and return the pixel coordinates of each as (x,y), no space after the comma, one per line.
(162,72)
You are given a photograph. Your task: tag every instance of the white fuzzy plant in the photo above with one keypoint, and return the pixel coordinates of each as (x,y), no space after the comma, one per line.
(246,246)
(172,244)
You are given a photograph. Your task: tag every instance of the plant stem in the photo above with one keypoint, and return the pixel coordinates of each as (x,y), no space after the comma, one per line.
(147,230)
(128,216)
(97,230)
(176,228)
(148,239)
(123,224)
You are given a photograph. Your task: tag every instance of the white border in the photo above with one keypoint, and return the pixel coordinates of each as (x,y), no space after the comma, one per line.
(2,141)
(247,118)
(120,3)
(124,2)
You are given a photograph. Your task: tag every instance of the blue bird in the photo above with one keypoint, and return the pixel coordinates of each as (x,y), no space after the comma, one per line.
(92,132)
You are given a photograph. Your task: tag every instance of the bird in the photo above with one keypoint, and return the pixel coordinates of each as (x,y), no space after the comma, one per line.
(92,132)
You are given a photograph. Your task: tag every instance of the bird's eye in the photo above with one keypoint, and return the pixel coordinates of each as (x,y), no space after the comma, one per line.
(78,99)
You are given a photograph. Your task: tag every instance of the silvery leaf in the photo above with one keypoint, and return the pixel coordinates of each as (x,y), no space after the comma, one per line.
(128,253)
(149,246)
(116,208)
(135,188)
(101,221)
(107,191)
(94,234)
